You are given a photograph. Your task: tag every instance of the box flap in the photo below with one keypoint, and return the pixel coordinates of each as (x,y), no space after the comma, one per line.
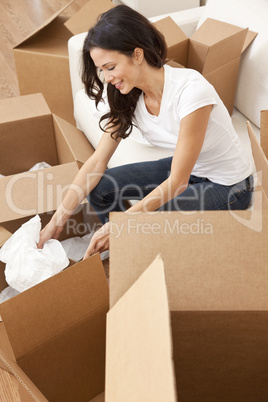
(23,107)
(171,31)
(224,52)
(57,331)
(4,235)
(176,40)
(139,365)
(47,22)
(224,43)
(86,17)
(4,341)
(261,163)
(249,38)
(213,31)
(25,387)
(224,80)
(264,131)
(214,260)
(42,191)
(79,148)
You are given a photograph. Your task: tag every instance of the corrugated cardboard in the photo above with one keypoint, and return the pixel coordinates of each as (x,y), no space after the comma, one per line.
(42,65)
(216,267)
(4,236)
(261,167)
(214,44)
(42,58)
(177,41)
(139,364)
(57,332)
(214,50)
(23,388)
(87,16)
(264,131)
(216,270)
(224,80)
(30,133)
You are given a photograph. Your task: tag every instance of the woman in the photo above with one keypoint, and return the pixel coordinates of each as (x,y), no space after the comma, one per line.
(173,108)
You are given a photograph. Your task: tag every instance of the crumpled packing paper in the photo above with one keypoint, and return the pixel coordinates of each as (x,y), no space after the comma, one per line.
(40,165)
(76,247)
(26,265)
(7,293)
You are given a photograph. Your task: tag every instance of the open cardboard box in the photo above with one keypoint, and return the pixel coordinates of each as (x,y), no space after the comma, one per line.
(76,226)
(216,269)
(57,331)
(189,332)
(30,133)
(16,385)
(42,58)
(52,337)
(214,50)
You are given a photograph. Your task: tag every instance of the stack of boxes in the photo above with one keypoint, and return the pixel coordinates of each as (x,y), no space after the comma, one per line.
(186,317)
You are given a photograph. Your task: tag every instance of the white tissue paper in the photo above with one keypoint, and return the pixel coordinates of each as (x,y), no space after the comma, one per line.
(7,293)
(26,265)
(75,247)
(40,165)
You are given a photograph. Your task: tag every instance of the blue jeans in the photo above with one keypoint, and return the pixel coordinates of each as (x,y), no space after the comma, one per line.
(134,181)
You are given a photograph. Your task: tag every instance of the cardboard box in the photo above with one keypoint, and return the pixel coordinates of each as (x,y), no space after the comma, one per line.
(76,226)
(30,133)
(4,236)
(260,201)
(214,50)
(264,131)
(42,58)
(216,268)
(57,333)
(177,41)
(16,385)
(139,364)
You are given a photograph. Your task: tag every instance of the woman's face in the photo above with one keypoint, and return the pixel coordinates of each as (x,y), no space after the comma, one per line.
(120,70)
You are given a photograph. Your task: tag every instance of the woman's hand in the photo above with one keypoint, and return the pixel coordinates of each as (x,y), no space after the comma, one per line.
(99,241)
(50,231)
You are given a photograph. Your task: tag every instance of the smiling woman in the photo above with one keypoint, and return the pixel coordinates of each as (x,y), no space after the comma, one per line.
(126,42)
(173,108)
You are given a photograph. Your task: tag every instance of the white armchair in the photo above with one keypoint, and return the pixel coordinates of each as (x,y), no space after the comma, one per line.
(150,8)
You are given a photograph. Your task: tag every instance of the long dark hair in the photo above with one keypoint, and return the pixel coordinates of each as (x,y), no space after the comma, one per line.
(121,29)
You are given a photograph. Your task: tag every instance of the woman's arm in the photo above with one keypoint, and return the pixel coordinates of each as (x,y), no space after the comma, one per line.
(191,137)
(85,181)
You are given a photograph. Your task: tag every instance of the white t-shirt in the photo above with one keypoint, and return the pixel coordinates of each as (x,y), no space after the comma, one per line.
(222,158)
